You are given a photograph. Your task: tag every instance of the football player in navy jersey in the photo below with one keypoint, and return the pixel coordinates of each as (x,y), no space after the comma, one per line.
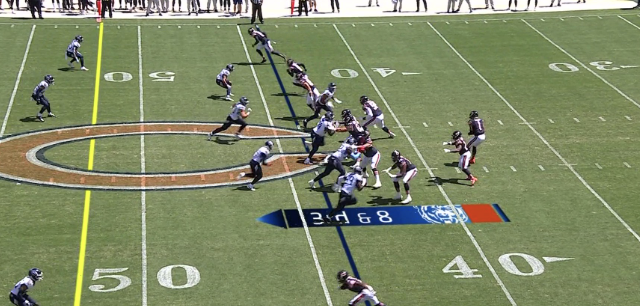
(476,128)
(406,173)
(465,155)
(263,42)
(364,291)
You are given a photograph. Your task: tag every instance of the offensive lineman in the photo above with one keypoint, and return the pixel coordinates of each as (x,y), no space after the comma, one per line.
(373,115)
(263,43)
(323,103)
(38,96)
(259,159)
(223,80)
(18,295)
(407,172)
(347,186)
(364,291)
(334,162)
(461,148)
(476,128)
(74,54)
(317,135)
(239,112)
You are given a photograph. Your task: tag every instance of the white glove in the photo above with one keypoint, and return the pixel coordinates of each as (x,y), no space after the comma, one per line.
(391,175)
(445,143)
(337,101)
(249,109)
(447,151)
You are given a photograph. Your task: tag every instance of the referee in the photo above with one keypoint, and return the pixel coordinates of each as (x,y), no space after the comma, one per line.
(107,5)
(256,7)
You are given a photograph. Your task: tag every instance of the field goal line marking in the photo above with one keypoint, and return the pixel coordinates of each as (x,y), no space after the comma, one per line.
(564,161)
(583,65)
(143,169)
(293,188)
(424,162)
(15,87)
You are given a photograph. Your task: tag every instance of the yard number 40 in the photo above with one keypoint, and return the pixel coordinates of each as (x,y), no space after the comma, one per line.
(600,65)
(165,278)
(464,271)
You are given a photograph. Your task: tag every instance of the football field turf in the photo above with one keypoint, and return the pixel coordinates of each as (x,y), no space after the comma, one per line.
(559,94)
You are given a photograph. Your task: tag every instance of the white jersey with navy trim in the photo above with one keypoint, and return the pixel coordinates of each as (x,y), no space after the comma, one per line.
(323,126)
(342,153)
(350,183)
(73,46)
(40,88)
(237,111)
(261,155)
(27,281)
(223,73)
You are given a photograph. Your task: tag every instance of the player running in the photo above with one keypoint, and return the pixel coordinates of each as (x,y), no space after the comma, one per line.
(465,155)
(476,128)
(223,80)
(346,186)
(323,103)
(325,126)
(38,96)
(334,162)
(364,291)
(259,159)
(374,115)
(18,295)
(239,112)
(74,54)
(407,172)
(295,70)
(263,42)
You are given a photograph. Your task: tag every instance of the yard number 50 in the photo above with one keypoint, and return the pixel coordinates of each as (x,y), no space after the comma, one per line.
(164,276)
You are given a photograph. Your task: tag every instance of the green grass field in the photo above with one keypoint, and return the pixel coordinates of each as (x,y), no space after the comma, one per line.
(559,95)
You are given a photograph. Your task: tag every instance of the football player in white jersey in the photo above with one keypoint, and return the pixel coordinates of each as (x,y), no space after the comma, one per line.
(323,102)
(263,42)
(74,54)
(465,154)
(325,126)
(18,295)
(347,185)
(374,115)
(223,80)
(259,158)
(239,112)
(38,96)
(364,291)
(334,161)
(295,70)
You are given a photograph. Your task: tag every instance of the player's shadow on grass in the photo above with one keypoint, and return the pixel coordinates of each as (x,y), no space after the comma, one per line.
(453,164)
(217,97)
(291,118)
(325,188)
(248,64)
(383,201)
(441,181)
(242,188)
(289,94)
(29,119)
(222,141)
(66,69)
(630,8)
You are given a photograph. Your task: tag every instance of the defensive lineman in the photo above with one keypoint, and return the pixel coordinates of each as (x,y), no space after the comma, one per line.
(347,185)
(259,159)
(263,42)
(223,80)
(407,172)
(325,126)
(323,103)
(18,295)
(74,54)
(295,70)
(364,291)
(38,96)
(373,115)
(334,162)
(370,157)
(239,112)
(465,155)
(476,128)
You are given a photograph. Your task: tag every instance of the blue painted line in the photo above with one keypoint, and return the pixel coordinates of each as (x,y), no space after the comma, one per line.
(345,245)
(501,213)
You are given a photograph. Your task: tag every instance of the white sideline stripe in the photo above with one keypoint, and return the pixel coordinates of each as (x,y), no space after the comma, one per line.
(15,87)
(626,164)
(541,167)
(513,168)
(583,65)
(564,161)
(143,169)
(293,188)
(576,119)
(485,168)
(598,166)
(424,162)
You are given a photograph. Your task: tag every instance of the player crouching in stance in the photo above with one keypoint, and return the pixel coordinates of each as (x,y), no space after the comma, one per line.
(259,159)
(223,80)
(476,128)
(325,126)
(74,54)
(38,96)
(373,115)
(465,155)
(334,161)
(239,112)
(364,291)
(18,295)
(263,42)
(347,185)
(407,172)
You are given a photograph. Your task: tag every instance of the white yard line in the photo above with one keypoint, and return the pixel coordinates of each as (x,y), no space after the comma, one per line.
(541,167)
(564,161)
(293,188)
(424,163)
(143,169)
(629,22)
(15,87)
(513,168)
(583,65)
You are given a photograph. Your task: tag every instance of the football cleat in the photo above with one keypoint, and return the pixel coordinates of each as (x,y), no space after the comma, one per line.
(407,200)
(307,161)
(51,115)
(377,185)
(392,135)
(398,196)
(264,60)
(238,136)
(241,175)
(250,187)
(312,184)
(40,119)
(84,68)
(473,181)
(228,98)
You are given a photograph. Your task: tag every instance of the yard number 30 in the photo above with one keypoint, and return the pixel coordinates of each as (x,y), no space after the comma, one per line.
(165,278)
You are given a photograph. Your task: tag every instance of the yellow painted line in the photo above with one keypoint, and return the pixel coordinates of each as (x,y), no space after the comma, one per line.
(87,194)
